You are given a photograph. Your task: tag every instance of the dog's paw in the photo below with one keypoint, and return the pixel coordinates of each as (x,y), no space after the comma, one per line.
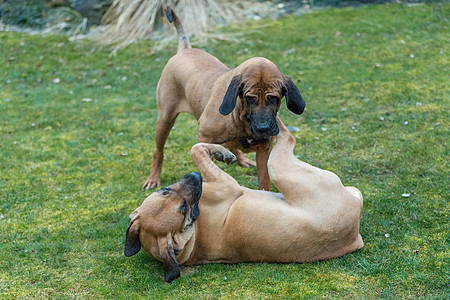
(151,183)
(246,162)
(226,157)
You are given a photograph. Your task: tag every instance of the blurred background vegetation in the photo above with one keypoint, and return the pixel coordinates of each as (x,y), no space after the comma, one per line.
(41,14)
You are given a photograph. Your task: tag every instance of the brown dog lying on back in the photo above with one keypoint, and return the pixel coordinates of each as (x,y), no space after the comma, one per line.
(236,108)
(193,222)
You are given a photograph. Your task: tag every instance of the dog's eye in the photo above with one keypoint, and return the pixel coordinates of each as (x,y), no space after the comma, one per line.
(250,99)
(165,191)
(272,99)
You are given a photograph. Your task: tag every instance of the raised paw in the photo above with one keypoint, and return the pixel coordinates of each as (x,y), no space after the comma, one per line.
(225,156)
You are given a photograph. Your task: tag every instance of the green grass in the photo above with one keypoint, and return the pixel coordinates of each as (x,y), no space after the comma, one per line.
(66,187)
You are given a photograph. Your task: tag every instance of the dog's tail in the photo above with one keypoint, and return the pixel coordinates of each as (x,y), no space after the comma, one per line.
(183,41)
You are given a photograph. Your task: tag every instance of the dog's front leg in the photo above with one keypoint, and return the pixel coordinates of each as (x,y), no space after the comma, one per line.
(218,186)
(163,126)
(202,155)
(262,156)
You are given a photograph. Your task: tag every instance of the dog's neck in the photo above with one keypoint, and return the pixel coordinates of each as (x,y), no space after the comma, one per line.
(188,248)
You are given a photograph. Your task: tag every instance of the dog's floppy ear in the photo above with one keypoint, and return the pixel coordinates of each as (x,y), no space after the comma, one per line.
(294,100)
(171,267)
(132,242)
(195,211)
(229,101)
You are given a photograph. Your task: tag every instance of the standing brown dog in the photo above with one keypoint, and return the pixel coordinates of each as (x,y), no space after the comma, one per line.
(234,107)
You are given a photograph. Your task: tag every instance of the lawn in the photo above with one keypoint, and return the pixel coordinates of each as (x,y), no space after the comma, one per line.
(77,135)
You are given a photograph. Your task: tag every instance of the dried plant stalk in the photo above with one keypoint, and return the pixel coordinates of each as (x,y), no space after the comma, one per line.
(131,20)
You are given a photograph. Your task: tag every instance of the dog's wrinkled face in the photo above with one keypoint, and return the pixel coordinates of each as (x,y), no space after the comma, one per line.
(164,224)
(262,93)
(260,88)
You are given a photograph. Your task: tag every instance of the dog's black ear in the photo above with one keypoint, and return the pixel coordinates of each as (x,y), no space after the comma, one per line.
(132,242)
(195,211)
(171,267)
(294,100)
(229,101)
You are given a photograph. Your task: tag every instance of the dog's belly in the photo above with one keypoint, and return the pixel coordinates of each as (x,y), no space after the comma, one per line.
(265,228)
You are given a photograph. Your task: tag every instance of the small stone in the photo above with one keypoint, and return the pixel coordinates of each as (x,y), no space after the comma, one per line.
(293,128)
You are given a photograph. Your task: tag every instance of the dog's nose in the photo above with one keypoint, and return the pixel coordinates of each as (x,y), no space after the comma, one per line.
(197,177)
(263,127)
(193,183)
(193,179)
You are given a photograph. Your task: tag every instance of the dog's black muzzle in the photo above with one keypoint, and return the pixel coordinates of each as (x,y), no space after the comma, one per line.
(192,182)
(264,125)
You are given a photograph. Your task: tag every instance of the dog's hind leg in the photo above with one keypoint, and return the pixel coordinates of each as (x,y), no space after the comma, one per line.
(295,179)
(288,174)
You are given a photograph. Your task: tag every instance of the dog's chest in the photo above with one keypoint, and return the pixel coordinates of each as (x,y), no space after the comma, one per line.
(249,143)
